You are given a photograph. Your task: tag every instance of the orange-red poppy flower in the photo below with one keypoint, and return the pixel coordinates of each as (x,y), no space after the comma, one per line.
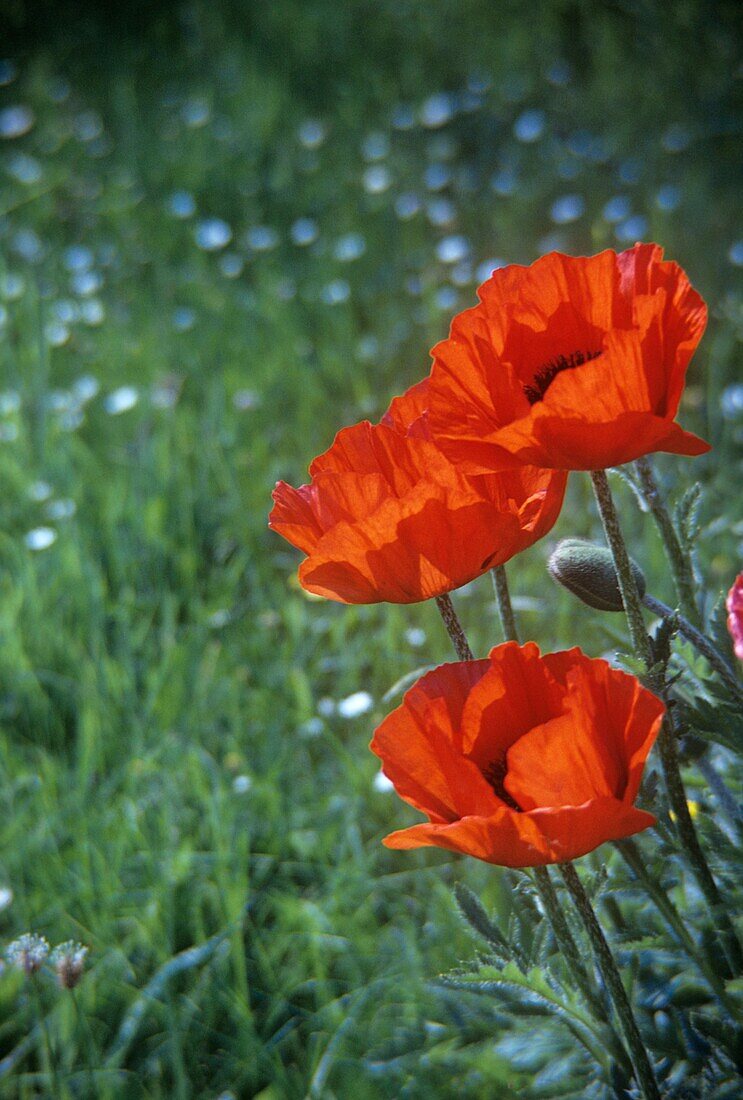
(520,759)
(573,363)
(387,517)
(734,604)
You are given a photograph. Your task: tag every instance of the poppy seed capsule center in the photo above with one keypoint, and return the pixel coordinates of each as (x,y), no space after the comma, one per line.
(544,375)
(495,774)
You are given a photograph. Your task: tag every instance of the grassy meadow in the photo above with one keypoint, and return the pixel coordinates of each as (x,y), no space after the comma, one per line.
(226,231)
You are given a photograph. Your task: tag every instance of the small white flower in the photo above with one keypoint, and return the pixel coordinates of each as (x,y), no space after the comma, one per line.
(27,953)
(68,961)
(121,400)
(40,538)
(355,705)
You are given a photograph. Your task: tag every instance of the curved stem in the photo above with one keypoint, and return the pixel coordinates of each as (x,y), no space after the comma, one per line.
(544,885)
(545,888)
(608,967)
(625,576)
(678,557)
(729,942)
(699,641)
(666,740)
(505,608)
(729,807)
(454,627)
(566,943)
(633,858)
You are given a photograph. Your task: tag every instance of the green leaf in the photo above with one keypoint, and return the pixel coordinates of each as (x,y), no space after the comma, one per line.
(686,515)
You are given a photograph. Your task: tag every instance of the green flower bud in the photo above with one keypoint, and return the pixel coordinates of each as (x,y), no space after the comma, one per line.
(588,572)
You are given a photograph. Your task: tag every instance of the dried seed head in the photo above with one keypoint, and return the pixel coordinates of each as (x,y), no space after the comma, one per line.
(27,953)
(68,961)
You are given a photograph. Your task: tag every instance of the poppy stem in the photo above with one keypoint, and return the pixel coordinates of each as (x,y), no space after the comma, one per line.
(454,627)
(544,885)
(699,641)
(505,608)
(627,584)
(612,979)
(666,738)
(565,941)
(679,557)
(634,859)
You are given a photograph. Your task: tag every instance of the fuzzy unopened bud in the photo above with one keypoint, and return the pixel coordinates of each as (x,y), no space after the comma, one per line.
(588,572)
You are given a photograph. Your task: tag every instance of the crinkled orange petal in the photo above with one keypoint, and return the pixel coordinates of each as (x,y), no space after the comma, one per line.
(507,838)
(420,756)
(632,319)
(670,313)
(292,516)
(571,444)
(406,411)
(558,763)
(516,693)
(520,759)
(411,549)
(380,450)
(388,517)
(627,715)
(511,839)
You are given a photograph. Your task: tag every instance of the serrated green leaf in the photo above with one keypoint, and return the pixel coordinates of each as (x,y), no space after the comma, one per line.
(686,515)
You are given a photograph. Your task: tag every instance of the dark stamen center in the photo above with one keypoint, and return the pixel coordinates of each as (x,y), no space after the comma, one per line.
(495,774)
(536,390)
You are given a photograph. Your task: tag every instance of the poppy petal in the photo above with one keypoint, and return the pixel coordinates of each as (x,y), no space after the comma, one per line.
(516,693)
(507,838)
(511,839)
(573,831)
(388,517)
(429,773)
(504,781)
(558,763)
(572,363)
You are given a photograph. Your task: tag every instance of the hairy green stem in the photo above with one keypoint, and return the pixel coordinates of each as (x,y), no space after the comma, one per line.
(608,967)
(505,608)
(678,556)
(625,577)
(666,740)
(569,948)
(699,641)
(731,809)
(633,858)
(454,627)
(545,888)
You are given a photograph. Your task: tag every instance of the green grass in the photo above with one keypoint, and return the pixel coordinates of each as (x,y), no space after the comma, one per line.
(160,650)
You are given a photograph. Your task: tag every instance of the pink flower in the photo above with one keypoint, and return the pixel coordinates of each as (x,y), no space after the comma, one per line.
(734,604)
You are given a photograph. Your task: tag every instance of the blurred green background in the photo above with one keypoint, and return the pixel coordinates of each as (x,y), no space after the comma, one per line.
(226,230)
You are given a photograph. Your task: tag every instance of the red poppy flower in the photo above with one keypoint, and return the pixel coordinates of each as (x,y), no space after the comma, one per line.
(734,604)
(573,363)
(521,759)
(387,517)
